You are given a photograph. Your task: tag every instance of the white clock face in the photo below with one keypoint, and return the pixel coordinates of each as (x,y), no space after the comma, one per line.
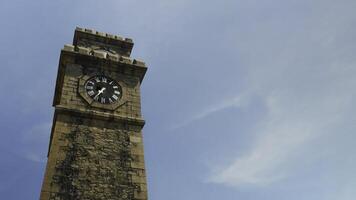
(103,89)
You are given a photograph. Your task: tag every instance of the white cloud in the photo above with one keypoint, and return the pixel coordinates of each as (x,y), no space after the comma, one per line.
(295,117)
(306,80)
(300,108)
(288,128)
(239,101)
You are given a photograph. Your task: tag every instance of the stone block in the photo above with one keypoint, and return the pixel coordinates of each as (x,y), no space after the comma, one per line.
(138,179)
(101,33)
(136,151)
(114,57)
(135,139)
(125,59)
(99,54)
(89,30)
(138,165)
(110,36)
(128,40)
(140,195)
(139,63)
(84,50)
(68,47)
(119,37)
(80,29)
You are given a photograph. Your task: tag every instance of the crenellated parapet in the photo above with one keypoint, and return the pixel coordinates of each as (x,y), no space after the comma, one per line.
(103,54)
(96,40)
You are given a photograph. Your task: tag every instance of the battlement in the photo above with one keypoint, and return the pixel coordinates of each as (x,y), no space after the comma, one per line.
(103,41)
(103,54)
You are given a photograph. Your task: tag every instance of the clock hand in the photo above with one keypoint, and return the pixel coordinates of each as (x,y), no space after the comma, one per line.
(100,92)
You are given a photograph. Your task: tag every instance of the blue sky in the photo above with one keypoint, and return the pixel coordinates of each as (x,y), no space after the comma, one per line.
(243,99)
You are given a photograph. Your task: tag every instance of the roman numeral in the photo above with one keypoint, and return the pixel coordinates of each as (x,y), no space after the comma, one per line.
(115,97)
(111,82)
(97,79)
(88,87)
(102,100)
(104,80)
(115,87)
(91,82)
(91,93)
(117,92)
(110,100)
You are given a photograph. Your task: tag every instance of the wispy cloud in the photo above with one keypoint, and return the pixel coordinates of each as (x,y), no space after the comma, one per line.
(294,118)
(308,90)
(238,101)
(286,131)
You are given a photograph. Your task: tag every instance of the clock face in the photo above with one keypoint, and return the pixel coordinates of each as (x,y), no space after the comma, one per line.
(103,89)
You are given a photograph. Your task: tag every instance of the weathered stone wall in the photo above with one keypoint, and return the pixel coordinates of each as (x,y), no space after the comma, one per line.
(95,160)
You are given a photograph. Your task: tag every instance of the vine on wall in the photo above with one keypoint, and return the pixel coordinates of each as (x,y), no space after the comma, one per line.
(96,165)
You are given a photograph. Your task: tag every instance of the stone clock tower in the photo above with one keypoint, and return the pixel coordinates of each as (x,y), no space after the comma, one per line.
(96,149)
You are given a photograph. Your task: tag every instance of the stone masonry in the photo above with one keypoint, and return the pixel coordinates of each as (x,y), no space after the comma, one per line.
(96,150)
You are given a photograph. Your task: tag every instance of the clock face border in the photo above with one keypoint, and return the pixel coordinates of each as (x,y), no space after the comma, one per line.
(108,90)
(113,106)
